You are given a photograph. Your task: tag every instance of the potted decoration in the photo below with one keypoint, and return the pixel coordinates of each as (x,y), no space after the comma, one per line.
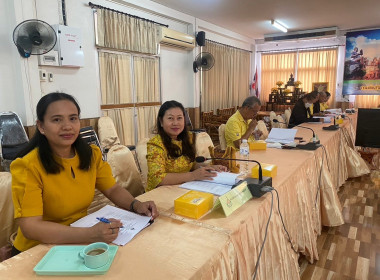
(279,83)
(274,90)
(297,83)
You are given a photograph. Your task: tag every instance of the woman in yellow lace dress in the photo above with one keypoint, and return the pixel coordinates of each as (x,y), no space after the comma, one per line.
(171,154)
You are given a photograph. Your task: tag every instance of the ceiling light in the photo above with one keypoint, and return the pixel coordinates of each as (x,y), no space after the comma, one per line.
(279,26)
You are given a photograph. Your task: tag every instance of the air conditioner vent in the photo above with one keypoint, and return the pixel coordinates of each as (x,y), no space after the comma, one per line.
(321,32)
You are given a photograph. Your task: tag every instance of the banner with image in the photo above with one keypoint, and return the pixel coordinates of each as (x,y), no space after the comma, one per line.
(362,63)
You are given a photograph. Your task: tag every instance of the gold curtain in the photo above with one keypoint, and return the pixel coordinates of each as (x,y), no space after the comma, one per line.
(275,67)
(367,101)
(146,121)
(115,78)
(124,124)
(318,66)
(122,32)
(227,83)
(146,73)
(116,85)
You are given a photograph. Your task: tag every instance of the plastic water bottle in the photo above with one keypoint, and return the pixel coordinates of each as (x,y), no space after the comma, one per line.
(244,154)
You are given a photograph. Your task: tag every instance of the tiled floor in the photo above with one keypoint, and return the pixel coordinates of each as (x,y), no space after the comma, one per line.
(351,251)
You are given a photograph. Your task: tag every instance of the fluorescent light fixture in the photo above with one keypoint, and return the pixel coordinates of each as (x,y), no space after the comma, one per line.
(279,26)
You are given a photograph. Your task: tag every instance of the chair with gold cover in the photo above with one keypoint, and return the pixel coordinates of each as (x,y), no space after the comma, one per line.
(124,169)
(288,113)
(281,122)
(7,225)
(202,143)
(263,128)
(107,133)
(222,138)
(141,152)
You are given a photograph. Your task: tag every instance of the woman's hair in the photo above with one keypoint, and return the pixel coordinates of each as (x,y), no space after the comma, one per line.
(173,150)
(311,96)
(41,142)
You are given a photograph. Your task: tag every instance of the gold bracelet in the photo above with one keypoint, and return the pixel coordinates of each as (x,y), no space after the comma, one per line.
(131,208)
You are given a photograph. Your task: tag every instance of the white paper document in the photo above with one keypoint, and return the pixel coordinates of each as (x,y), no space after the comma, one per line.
(132,222)
(325,119)
(220,184)
(281,135)
(334,111)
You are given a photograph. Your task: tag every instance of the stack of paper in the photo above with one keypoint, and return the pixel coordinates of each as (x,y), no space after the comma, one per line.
(132,223)
(220,184)
(281,135)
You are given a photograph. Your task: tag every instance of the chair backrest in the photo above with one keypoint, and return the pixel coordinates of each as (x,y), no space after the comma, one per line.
(13,138)
(89,135)
(272,115)
(12,132)
(281,122)
(141,151)
(107,133)
(207,117)
(263,128)
(288,113)
(202,142)
(124,169)
(7,225)
(222,137)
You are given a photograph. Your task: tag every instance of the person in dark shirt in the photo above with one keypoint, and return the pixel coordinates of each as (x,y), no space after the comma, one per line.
(301,111)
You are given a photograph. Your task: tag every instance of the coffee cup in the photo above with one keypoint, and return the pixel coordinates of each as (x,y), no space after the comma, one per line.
(95,255)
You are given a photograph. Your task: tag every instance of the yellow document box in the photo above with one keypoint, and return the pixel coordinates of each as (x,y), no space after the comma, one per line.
(258,145)
(269,170)
(193,204)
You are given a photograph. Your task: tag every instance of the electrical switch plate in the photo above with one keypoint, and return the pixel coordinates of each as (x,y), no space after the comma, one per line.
(43,75)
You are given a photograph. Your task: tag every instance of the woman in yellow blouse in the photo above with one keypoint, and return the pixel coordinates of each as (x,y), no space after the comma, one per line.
(171,154)
(54,180)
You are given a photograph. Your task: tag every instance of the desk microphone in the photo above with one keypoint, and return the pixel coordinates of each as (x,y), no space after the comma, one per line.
(313,145)
(257,187)
(331,127)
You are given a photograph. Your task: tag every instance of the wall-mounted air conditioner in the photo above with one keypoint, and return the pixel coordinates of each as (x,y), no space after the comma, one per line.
(68,50)
(303,34)
(176,39)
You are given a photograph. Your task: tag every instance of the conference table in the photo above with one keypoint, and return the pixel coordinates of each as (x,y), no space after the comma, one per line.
(220,247)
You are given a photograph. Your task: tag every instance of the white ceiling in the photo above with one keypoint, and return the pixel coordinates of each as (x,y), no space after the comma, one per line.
(252,17)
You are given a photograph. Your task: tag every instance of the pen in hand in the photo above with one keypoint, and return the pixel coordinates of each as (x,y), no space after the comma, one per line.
(105,220)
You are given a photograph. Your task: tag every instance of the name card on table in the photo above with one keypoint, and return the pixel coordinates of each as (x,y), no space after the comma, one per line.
(234,199)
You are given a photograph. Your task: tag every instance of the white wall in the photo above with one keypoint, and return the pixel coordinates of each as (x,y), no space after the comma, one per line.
(20,88)
(11,89)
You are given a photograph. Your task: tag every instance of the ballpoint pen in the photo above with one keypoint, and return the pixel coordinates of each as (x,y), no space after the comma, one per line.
(105,220)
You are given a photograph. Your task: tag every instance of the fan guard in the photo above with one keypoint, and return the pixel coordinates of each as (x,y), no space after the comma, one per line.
(203,62)
(34,37)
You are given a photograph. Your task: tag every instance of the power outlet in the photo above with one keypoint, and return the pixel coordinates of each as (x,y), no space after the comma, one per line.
(43,75)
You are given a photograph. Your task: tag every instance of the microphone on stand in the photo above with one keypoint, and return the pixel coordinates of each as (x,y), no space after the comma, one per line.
(257,187)
(312,145)
(331,127)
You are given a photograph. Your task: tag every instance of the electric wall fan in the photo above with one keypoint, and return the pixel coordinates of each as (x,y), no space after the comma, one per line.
(203,62)
(34,37)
